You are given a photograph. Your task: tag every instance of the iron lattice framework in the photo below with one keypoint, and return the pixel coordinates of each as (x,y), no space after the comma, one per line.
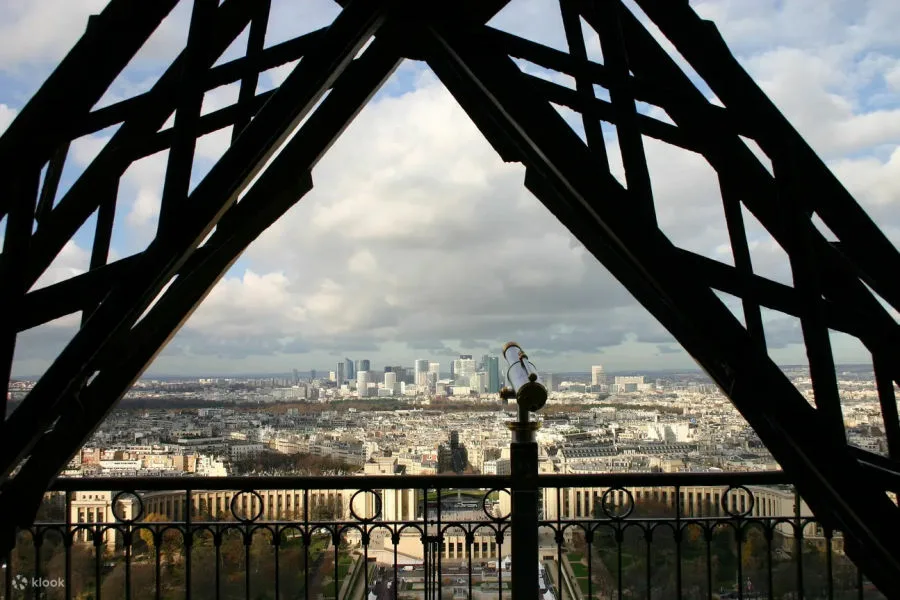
(133,306)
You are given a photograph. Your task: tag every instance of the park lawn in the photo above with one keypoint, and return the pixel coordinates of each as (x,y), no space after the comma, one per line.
(575,557)
(579,570)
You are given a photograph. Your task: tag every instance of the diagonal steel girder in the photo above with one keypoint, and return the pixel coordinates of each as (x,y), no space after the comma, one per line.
(108,327)
(571,182)
(280,186)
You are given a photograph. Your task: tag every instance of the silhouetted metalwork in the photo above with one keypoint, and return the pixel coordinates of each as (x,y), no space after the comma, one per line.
(631,535)
(131,307)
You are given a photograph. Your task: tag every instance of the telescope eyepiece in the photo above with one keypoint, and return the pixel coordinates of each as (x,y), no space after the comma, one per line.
(530,394)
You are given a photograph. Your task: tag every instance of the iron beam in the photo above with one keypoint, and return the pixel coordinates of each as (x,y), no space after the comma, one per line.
(203,209)
(830,480)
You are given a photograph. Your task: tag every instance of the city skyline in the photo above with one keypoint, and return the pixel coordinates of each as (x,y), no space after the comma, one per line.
(419,238)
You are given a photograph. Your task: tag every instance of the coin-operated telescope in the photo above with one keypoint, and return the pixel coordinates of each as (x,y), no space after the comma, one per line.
(523,382)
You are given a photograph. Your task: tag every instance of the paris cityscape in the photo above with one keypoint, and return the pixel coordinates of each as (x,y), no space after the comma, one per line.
(593,422)
(429,419)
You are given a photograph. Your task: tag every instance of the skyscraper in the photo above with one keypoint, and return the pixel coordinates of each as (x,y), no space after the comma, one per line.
(312,374)
(492,368)
(362,383)
(349,371)
(421,372)
(463,367)
(364,365)
(339,373)
(598,377)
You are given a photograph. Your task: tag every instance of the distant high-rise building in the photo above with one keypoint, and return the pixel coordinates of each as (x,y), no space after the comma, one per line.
(362,383)
(339,373)
(364,365)
(390,378)
(463,367)
(421,367)
(435,367)
(349,370)
(296,376)
(492,368)
(312,374)
(598,377)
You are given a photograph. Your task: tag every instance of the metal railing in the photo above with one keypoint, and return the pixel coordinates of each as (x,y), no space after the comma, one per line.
(722,535)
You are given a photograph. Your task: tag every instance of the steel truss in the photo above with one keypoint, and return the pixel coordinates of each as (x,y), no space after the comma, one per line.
(133,306)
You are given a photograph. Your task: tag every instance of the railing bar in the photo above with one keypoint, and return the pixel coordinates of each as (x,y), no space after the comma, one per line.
(157,544)
(67,541)
(770,535)
(648,539)
(678,535)
(739,539)
(277,540)
(98,540)
(248,539)
(708,534)
(336,540)
(188,542)
(590,548)
(426,544)
(500,562)
(470,537)
(559,543)
(396,542)
(365,562)
(798,539)
(439,547)
(405,482)
(306,540)
(128,541)
(620,534)
(828,565)
(218,542)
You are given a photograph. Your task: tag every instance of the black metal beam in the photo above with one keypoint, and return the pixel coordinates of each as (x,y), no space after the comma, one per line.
(202,210)
(279,187)
(704,48)
(48,120)
(584,87)
(832,482)
(605,17)
(220,75)
(80,201)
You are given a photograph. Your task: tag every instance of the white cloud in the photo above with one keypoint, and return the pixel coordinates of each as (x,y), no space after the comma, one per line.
(417,233)
(7,114)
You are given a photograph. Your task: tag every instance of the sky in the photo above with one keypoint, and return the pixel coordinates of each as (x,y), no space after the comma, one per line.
(418,241)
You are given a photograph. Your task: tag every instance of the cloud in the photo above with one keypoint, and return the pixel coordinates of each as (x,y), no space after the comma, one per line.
(418,239)
(7,114)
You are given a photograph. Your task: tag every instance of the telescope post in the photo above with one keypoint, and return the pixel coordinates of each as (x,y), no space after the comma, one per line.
(524,516)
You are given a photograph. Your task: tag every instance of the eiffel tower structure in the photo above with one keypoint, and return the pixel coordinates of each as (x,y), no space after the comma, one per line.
(132,306)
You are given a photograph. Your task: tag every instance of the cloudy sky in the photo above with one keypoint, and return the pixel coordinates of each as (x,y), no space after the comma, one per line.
(411,244)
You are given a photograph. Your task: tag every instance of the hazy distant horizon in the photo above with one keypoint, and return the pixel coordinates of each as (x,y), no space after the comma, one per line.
(320,372)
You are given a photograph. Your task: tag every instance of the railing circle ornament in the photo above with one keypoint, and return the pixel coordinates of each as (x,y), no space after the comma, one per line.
(484,506)
(243,519)
(611,510)
(751,502)
(378,506)
(115,505)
